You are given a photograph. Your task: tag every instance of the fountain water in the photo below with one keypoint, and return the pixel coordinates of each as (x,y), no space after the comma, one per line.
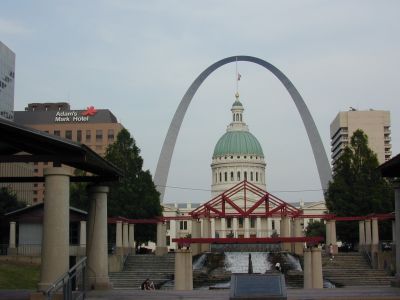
(293,262)
(238,262)
(199,263)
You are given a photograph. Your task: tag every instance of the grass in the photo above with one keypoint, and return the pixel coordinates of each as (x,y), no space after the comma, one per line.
(18,276)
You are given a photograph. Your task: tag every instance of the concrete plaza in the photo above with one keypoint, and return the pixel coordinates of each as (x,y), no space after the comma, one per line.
(351,293)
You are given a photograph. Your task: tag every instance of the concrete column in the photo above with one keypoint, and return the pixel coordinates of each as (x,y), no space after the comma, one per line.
(132,237)
(307,283)
(375,234)
(246,227)
(223,228)
(368,236)
(118,238)
(396,281)
(183,270)
(394,231)
(82,234)
(55,246)
(285,232)
(258,227)
(328,232)
(125,236)
(316,259)
(12,243)
(196,233)
(298,232)
(333,236)
(212,227)
(161,248)
(97,250)
(235,227)
(205,247)
(361,236)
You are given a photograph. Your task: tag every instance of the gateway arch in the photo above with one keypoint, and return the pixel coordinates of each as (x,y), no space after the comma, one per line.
(164,161)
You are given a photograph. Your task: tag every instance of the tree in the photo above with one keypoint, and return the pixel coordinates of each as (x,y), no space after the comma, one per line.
(78,193)
(316,228)
(357,188)
(8,203)
(135,195)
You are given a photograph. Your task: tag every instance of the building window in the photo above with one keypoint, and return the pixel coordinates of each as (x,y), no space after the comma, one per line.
(68,134)
(79,135)
(110,135)
(57,132)
(226,176)
(229,223)
(99,147)
(251,176)
(168,241)
(245,175)
(99,135)
(220,177)
(183,225)
(168,225)
(88,135)
(238,176)
(256,176)
(232,177)
(273,224)
(252,222)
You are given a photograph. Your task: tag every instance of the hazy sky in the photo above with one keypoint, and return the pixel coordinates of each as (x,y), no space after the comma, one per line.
(137,58)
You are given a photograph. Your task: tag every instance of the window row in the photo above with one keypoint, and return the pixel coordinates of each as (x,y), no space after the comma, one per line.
(223,176)
(87,134)
(238,157)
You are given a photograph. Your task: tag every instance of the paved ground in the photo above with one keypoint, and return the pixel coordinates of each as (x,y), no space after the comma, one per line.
(356,293)
(381,293)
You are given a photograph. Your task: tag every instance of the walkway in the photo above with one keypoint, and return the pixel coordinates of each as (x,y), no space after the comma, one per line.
(381,293)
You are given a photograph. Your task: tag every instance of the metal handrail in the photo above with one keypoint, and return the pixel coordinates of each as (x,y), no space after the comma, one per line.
(73,279)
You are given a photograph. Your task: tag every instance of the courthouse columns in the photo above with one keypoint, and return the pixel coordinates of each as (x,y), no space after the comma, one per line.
(97,250)
(55,247)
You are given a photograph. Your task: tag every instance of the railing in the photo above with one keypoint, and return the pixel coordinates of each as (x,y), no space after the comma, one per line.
(36,250)
(72,284)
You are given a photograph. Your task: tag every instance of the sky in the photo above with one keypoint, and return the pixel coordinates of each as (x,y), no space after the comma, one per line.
(138,58)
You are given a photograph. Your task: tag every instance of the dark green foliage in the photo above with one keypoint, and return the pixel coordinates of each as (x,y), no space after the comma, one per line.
(8,203)
(357,188)
(135,195)
(78,193)
(316,228)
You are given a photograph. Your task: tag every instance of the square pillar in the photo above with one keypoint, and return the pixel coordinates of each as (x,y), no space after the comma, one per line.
(331,234)
(298,232)
(131,238)
(375,235)
(223,228)
(285,232)
(235,227)
(12,250)
(196,233)
(183,270)
(82,238)
(55,246)
(316,261)
(206,234)
(125,237)
(246,227)
(368,235)
(361,236)
(97,250)
(258,227)
(307,272)
(212,227)
(118,238)
(161,248)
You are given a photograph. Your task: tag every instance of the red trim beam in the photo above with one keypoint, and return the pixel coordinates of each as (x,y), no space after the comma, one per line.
(270,240)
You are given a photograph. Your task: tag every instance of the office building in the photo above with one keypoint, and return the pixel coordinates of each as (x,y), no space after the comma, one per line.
(96,128)
(7,75)
(374,123)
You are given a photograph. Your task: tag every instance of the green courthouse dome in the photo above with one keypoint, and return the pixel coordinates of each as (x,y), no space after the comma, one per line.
(238,143)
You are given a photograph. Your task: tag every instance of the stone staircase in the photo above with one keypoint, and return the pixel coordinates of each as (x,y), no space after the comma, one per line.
(159,269)
(352,269)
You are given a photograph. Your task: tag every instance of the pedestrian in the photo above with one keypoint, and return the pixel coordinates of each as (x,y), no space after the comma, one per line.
(331,257)
(278,267)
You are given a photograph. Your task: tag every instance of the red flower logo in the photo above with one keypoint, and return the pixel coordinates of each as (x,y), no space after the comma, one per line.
(90,111)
